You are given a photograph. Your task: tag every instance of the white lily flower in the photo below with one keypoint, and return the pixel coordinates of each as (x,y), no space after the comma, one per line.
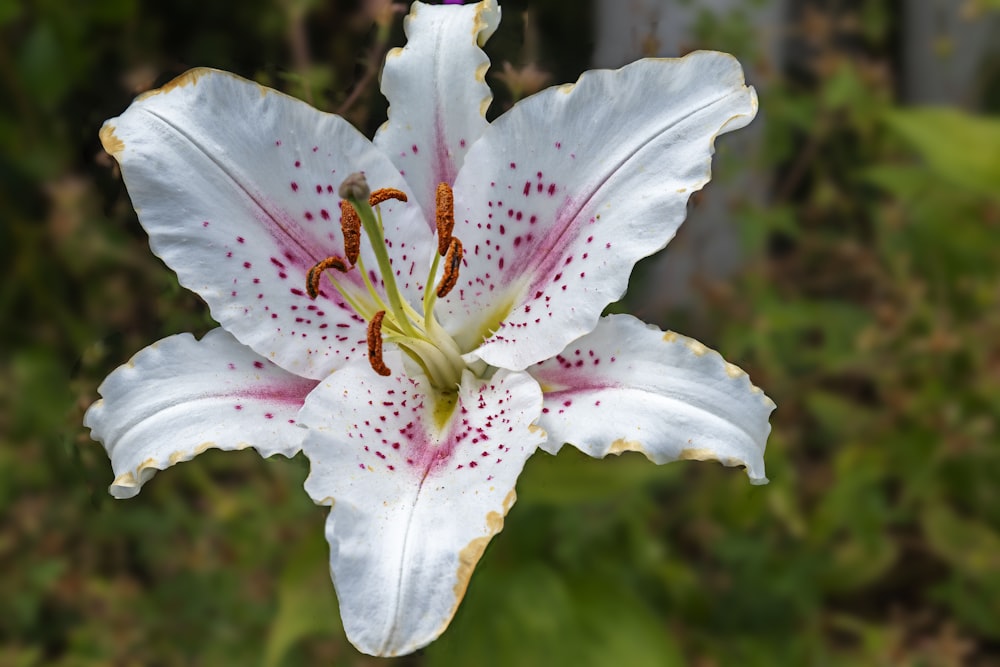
(420,363)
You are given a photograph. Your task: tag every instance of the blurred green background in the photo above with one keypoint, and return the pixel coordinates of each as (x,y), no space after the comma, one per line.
(866,303)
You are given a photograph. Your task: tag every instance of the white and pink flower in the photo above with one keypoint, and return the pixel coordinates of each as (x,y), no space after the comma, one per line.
(426,371)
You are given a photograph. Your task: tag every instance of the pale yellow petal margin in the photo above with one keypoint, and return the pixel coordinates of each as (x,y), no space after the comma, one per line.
(437,93)
(486,22)
(134,479)
(469,557)
(113,146)
(181,396)
(185,79)
(658,393)
(733,371)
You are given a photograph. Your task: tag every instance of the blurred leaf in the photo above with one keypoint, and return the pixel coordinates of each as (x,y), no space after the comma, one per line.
(968,544)
(843,89)
(573,477)
(836,414)
(41,63)
(306,600)
(905,182)
(9,11)
(961,148)
(541,619)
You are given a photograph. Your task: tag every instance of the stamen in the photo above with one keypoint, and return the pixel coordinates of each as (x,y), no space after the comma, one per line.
(350,223)
(445,216)
(375,344)
(313,276)
(452,262)
(382,194)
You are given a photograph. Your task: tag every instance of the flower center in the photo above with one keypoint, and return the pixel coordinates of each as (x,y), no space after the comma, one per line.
(390,316)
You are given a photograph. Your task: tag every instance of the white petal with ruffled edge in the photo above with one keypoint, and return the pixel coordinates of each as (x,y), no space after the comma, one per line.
(437,93)
(628,386)
(413,504)
(237,186)
(181,396)
(566,191)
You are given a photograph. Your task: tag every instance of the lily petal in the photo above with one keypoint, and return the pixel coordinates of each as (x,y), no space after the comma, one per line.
(414,504)
(181,396)
(237,186)
(437,92)
(565,192)
(628,386)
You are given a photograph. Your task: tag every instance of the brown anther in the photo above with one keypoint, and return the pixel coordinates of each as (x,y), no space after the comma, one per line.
(452,262)
(382,194)
(313,276)
(375,344)
(445,216)
(350,223)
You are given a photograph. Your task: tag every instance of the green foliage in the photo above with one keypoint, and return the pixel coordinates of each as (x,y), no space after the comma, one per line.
(868,308)
(962,150)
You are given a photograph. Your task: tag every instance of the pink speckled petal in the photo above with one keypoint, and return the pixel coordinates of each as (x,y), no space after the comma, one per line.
(181,396)
(413,504)
(566,191)
(627,386)
(437,92)
(236,185)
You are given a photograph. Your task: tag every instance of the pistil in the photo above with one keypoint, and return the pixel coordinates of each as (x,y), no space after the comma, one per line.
(391,318)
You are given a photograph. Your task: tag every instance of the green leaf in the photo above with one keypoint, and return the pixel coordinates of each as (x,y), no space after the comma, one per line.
(960,148)
(573,477)
(533,615)
(306,600)
(969,545)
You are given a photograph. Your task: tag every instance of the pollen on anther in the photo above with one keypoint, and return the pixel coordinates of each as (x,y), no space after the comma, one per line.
(375,345)
(350,224)
(313,276)
(444,216)
(383,194)
(452,262)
